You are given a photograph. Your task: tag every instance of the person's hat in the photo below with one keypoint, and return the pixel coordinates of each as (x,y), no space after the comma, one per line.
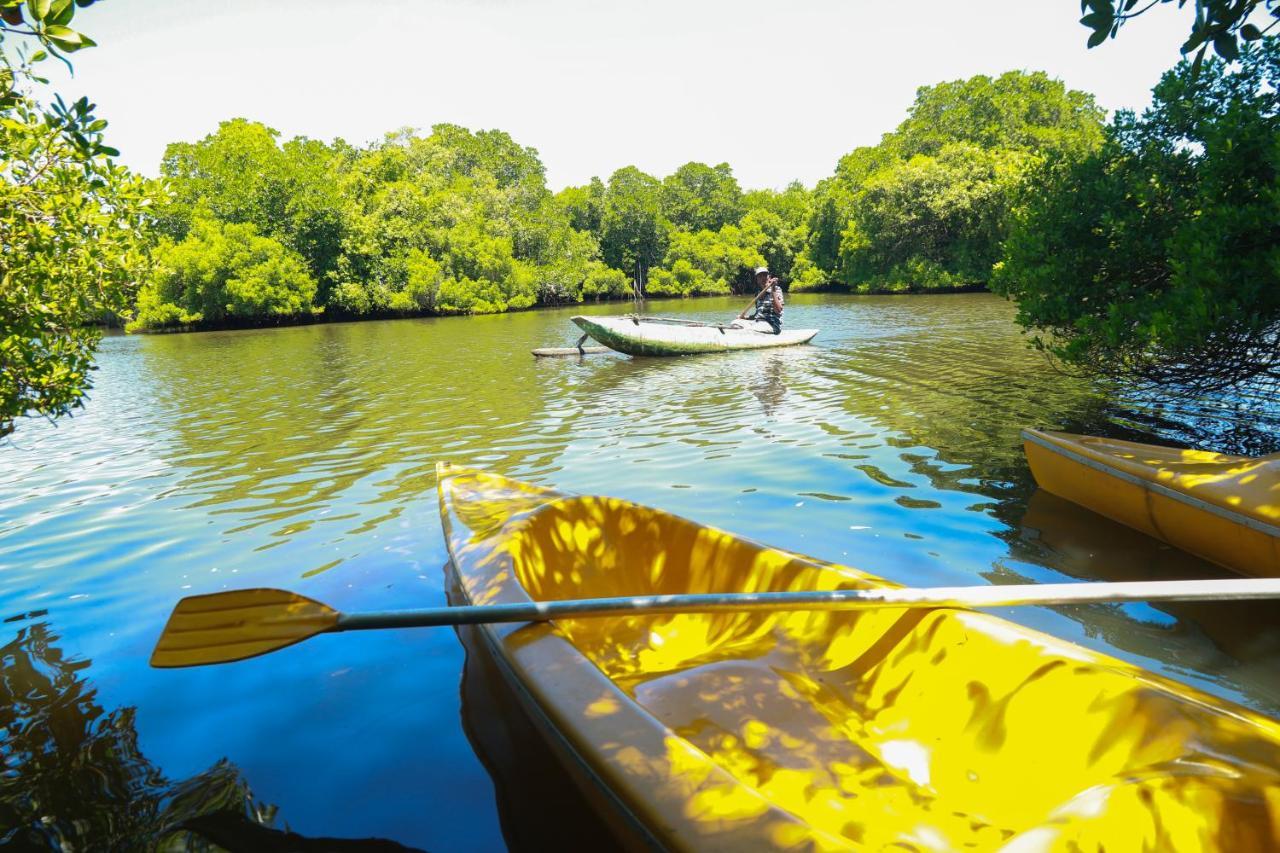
(764,270)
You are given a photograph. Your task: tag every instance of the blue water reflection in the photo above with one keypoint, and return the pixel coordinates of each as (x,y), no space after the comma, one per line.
(302,458)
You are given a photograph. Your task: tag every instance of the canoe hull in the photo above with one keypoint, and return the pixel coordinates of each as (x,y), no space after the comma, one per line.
(824,731)
(567,809)
(1141,486)
(666,339)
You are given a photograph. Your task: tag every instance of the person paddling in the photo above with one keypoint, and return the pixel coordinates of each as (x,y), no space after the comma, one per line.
(767,307)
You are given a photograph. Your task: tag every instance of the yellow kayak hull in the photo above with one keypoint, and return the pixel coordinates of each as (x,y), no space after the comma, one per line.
(909,729)
(1223,508)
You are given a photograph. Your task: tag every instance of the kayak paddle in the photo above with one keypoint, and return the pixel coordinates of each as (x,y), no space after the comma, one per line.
(228,626)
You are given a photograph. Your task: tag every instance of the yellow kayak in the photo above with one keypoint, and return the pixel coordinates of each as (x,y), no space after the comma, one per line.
(1219,507)
(939,729)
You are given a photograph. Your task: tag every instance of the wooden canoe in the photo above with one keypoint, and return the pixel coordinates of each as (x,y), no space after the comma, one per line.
(661,336)
(934,729)
(1223,508)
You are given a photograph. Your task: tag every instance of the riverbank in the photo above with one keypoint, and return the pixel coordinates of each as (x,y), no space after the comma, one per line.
(337,316)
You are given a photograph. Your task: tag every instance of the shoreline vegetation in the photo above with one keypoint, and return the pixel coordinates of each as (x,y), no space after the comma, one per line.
(274,321)
(250,230)
(1144,248)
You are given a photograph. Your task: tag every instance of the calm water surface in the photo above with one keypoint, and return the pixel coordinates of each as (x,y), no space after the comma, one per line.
(303,458)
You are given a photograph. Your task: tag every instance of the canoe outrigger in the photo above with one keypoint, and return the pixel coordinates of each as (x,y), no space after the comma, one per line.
(636,335)
(919,729)
(1223,508)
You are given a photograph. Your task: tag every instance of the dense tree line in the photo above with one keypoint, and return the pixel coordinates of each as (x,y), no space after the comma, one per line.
(1145,248)
(457,221)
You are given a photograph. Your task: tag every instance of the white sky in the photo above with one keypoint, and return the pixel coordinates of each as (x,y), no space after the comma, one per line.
(779,90)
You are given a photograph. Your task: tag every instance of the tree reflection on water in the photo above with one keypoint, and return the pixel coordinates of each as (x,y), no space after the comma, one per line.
(74,778)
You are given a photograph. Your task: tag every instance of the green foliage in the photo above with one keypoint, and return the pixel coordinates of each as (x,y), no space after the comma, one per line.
(684,279)
(452,222)
(633,229)
(1022,111)
(926,209)
(475,205)
(698,197)
(220,271)
(240,174)
(583,206)
(783,220)
(72,226)
(601,282)
(1225,24)
(45,21)
(706,262)
(1157,258)
(939,216)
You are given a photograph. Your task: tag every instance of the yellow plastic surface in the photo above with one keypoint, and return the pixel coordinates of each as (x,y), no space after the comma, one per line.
(228,626)
(909,730)
(1243,487)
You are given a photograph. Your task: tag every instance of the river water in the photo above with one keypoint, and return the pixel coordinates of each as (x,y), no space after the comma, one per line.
(303,458)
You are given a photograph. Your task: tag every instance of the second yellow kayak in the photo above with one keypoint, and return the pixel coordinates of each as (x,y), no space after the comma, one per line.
(1223,508)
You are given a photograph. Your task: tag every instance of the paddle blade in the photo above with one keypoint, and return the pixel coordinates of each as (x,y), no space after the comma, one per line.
(229,626)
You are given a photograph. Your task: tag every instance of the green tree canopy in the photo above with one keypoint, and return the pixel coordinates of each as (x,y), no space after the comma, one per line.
(1157,257)
(242,174)
(927,207)
(699,197)
(583,206)
(705,262)
(1018,110)
(633,228)
(222,270)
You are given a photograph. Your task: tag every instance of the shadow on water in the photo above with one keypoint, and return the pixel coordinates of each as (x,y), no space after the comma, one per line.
(74,778)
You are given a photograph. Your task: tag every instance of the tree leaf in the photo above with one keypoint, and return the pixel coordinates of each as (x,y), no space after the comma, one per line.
(61,12)
(1098,37)
(1224,44)
(57,31)
(39,9)
(1250,32)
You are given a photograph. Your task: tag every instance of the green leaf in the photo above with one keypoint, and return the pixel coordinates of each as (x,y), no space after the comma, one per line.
(67,38)
(1250,32)
(39,9)
(61,12)
(61,33)
(108,150)
(1098,20)
(1224,44)
(1098,37)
